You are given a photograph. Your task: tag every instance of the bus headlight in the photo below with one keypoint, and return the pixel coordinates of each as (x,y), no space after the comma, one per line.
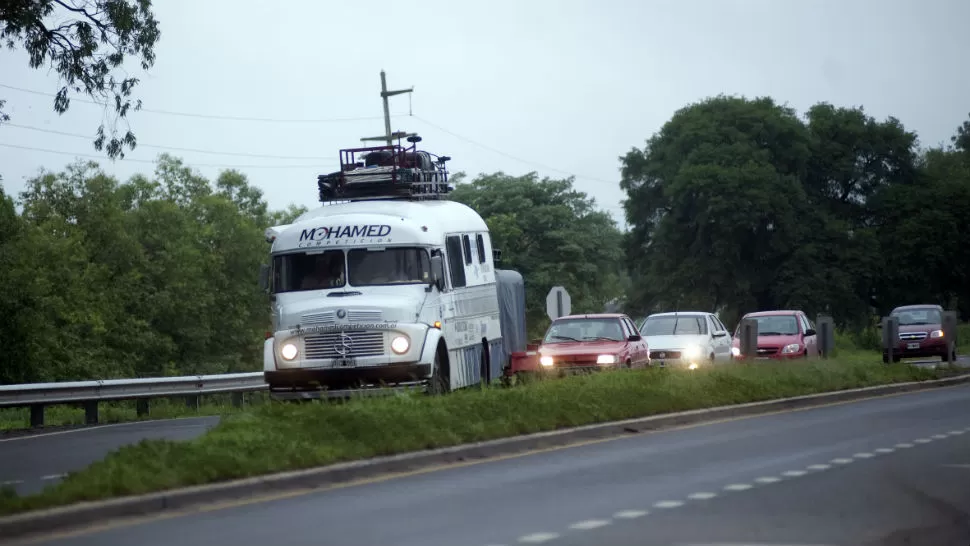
(400,345)
(288,351)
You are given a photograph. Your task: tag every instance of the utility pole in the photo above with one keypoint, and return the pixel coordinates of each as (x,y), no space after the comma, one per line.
(385,94)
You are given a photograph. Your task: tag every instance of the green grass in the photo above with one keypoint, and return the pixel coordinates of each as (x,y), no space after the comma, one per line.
(124,411)
(277,437)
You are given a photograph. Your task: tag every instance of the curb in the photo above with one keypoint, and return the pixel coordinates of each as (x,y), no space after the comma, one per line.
(82,514)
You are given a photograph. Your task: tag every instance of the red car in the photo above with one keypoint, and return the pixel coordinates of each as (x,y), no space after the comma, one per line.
(608,340)
(920,333)
(781,335)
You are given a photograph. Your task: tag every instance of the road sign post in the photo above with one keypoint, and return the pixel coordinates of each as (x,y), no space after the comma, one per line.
(825,332)
(890,336)
(950,335)
(749,339)
(558,303)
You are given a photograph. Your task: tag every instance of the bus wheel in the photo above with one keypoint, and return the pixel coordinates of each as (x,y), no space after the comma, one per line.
(440,382)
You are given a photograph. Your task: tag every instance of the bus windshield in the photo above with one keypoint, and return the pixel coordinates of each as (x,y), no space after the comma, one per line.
(357,267)
(409,265)
(310,271)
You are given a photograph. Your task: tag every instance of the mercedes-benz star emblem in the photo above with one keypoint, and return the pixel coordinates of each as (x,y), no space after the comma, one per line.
(344,345)
(341,313)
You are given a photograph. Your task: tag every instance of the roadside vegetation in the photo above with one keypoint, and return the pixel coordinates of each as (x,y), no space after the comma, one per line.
(277,437)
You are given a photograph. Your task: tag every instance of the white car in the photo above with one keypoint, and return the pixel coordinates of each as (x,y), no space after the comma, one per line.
(686,338)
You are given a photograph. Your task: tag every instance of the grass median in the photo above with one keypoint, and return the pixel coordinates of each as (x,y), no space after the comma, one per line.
(278,437)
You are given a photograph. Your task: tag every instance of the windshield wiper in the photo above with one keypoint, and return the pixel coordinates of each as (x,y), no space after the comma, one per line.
(601,338)
(772,334)
(566,337)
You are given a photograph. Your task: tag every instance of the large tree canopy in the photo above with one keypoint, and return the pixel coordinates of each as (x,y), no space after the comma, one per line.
(738,205)
(86,42)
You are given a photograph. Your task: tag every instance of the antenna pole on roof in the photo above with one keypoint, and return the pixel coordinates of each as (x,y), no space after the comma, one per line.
(385,94)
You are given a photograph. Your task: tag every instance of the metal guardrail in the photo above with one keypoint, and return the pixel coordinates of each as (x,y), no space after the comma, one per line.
(90,393)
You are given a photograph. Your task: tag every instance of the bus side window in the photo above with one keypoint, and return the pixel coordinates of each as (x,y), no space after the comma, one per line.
(455,264)
(481,248)
(467,246)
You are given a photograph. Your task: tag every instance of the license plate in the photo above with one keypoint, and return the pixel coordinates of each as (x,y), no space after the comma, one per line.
(912,345)
(344,362)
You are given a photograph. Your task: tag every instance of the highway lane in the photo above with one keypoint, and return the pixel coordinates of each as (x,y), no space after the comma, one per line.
(29,463)
(844,474)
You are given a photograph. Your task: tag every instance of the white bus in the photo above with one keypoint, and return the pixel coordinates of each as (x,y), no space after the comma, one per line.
(385,289)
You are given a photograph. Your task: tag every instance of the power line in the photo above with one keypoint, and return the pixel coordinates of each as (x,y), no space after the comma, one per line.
(201,151)
(152,162)
(206,116)
(510,156)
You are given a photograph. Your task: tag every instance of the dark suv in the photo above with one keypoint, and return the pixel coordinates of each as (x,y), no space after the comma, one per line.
(920,333)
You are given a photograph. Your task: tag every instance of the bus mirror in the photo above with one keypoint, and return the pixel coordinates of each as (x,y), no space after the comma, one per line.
(264,277)
(438,272)
(496,256)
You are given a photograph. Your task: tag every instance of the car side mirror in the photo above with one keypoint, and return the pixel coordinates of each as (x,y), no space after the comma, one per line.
(536,341)
(437,273)
(634,337)
(809,332)
(264,277)
(720,333)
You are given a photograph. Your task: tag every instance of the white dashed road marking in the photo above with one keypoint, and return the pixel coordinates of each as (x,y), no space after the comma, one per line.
(701,496)
(53,477)
(630,514)
(537,538)
(589,524)
(11,482)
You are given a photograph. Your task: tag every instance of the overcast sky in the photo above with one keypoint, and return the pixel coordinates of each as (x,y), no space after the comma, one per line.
(554,86)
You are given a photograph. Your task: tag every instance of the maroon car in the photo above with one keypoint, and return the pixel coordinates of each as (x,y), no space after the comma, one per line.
(920,333)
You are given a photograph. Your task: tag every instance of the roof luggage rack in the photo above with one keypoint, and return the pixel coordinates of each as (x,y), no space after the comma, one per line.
(386,172)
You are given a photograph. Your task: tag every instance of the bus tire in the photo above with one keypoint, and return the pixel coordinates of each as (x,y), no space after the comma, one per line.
(440,379)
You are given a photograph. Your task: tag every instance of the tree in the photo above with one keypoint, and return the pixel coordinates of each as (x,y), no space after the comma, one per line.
(713,201)
(156,276)
(553,235)
(86,42)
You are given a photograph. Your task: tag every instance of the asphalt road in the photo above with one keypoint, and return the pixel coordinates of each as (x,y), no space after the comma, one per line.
(885,472)
(29,463)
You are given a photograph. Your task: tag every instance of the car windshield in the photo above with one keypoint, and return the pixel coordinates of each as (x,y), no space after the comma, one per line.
(671,325)
(776,325)
(913,317)
(388,266)
(309,271)
(584,329)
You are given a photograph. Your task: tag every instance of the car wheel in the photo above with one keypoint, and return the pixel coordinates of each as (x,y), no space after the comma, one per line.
(628,364)
(711,360)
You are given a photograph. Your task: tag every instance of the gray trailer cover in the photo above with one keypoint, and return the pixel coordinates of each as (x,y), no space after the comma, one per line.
(511,302)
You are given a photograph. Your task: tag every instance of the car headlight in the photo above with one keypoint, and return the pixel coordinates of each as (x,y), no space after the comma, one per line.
(288,351)
(692,367)
(936,333)
(606,359)
(735,351)
(545,361)
(791,348)
(400,345)
(692,351)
